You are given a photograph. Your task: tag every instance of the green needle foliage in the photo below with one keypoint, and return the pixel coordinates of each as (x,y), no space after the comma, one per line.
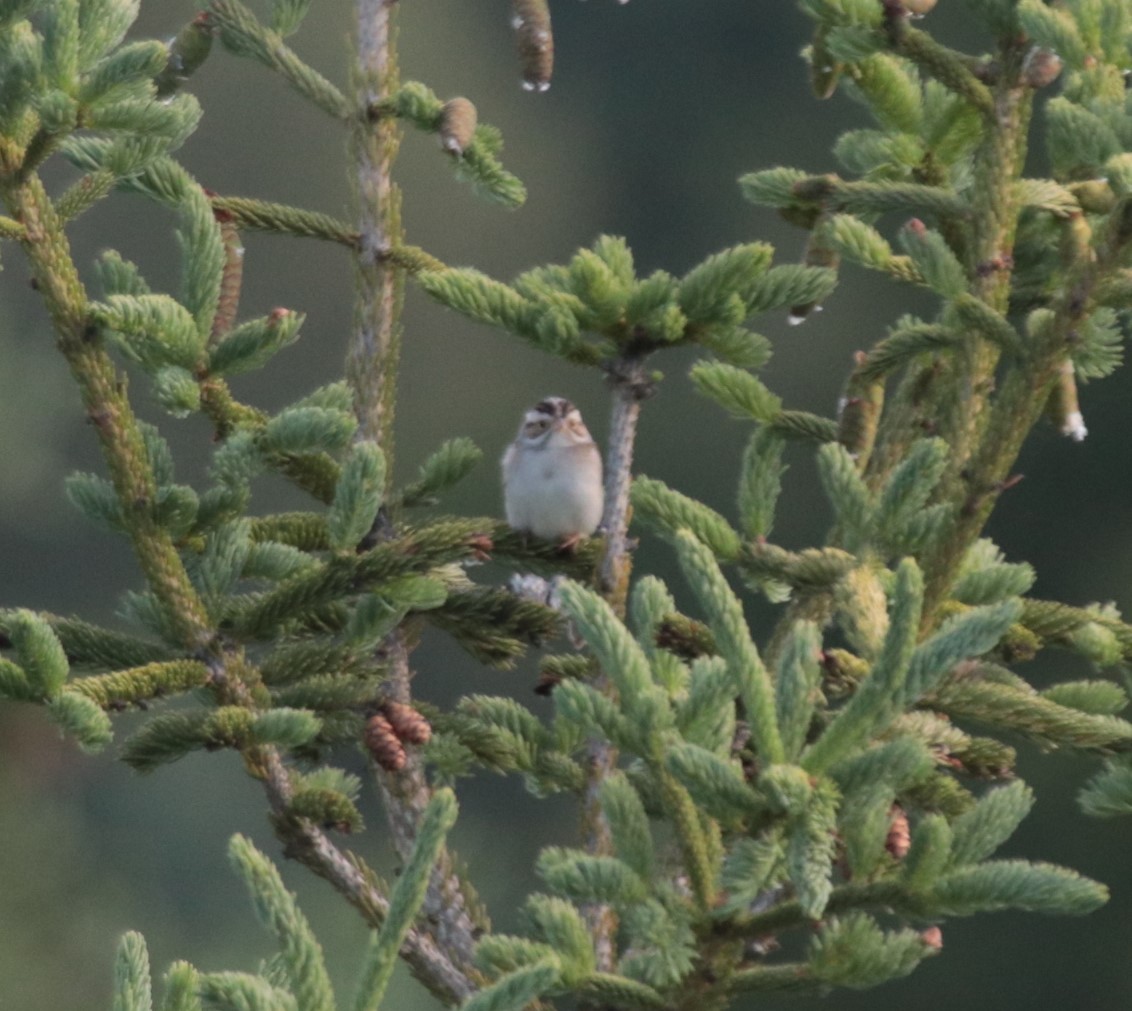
(736,783)
(297,976)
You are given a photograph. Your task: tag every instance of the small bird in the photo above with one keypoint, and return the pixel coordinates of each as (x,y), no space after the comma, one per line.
(552,484)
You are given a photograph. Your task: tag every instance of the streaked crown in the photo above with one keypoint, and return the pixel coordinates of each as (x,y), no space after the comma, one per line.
(553,407)
(551,415)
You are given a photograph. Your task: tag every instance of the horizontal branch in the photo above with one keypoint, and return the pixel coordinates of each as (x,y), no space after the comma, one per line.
(265,216)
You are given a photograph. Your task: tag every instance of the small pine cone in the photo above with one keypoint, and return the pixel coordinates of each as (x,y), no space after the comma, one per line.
(531,21)
(409,725)
(457,125)
(383,744)
(932,937)
(918,8)
(899,839)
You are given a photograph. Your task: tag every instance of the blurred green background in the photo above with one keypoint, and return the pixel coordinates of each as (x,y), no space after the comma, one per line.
(656,108)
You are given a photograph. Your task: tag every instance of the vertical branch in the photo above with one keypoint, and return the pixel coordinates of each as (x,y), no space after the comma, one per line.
(630,387)
(405,794)
(960,395)
(998,166)
(374,353)
(1023,398)
(107,406)
(956,397)
(371,368)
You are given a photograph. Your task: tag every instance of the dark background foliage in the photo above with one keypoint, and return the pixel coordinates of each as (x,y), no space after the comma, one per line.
(656,108)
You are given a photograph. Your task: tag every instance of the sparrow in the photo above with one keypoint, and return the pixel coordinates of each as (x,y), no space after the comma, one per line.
(552,480)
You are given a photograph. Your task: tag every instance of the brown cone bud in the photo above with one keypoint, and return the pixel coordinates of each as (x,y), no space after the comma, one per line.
(1040,68)
(932,937)
(409,725)
(918,8)
(818,254)
(546,683)
(482,547)
(899,839)
(457,125)
(383,744)
(684,636)
(815,187)
(188,49)
(531,21)
(860,411)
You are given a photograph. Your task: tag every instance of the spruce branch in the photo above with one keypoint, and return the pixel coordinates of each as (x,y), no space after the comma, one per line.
(1036,716)
(630,385)
(131,975)
(90,646)
(725,615)
(347,873)
(875,702)
(371,368)
(942,63)
(472,146)
(48,252)
(138,685)
(264,216)
(1018,406)
(426,955)
(132,477)
(245,36)
(790,978)
(302,958)
(84,194)
(406,900)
